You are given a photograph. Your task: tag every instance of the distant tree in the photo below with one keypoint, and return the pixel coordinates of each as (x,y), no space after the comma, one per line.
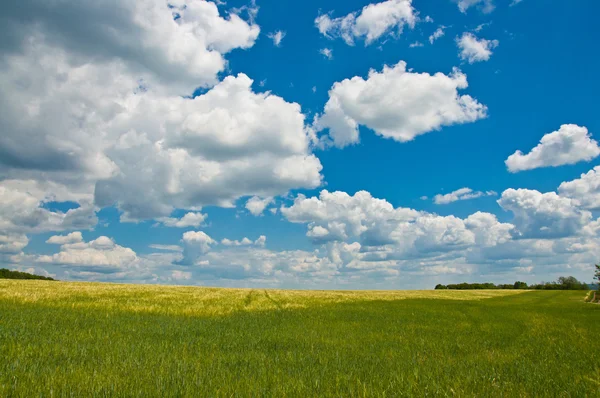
(597,274)
(7,274)
(520,285)
(440,287)
(571,283)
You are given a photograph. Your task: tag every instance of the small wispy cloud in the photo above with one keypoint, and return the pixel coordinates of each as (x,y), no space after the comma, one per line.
(327,53)
(277,37)
(461,194)
(439,32)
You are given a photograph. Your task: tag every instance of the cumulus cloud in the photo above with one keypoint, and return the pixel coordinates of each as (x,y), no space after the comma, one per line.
(236,141)
(96,106)
(190,219)
(12,243)
(23,210)
(73,237)
(460,194)
(397,104)
(144,35)
(486,6)
(195,244)
(569,145)
(337,216)
(473,49)
(245,242)
(543,215)
(256,206)
(372,22)
(585,191)
(277,37)
(101,255)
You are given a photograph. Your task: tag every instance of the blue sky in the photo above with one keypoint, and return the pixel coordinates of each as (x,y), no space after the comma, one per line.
(104,149)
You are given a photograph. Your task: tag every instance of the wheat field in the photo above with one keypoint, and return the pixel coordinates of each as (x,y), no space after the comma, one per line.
(93,339)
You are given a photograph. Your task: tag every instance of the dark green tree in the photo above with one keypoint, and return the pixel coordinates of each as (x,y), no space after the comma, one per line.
(520,285)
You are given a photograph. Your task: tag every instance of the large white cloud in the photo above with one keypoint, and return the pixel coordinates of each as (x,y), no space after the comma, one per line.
(337,216)
(12,243)
(154,152)
(543,215)
(372,22)
(474,49)
(101,114)
(569,145)
(397,104)
(585,191)
(180,42)
(227,143)
(101,255)
(22,210)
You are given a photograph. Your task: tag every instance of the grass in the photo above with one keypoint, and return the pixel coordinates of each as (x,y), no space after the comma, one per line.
(76,339)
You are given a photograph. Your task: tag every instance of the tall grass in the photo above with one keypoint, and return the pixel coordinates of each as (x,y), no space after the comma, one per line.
(67,339)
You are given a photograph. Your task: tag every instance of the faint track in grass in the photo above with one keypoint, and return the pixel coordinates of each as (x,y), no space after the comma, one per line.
(272,300)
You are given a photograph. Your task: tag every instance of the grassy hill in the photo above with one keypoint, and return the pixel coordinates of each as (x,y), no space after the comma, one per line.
(85,339)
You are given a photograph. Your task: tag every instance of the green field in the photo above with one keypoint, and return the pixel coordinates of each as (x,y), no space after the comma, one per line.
(84,339)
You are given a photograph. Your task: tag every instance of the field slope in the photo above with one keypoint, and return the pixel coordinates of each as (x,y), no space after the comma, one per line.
(85,339)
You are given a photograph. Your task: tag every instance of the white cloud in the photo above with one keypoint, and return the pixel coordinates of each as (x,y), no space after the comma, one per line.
(93,106)
(543,215)
(256,206)
(486,6)
(416,44)
(439,32)
(12,243)
(473,49)
(327,53)
(196,243)
(245,242)
(170,248)
(585,191)
(101,255)
(22,210)
(188,220)
(277,37)
(460,194)
(569,145)
(397,104)
(236,142)
(515,2)
(143,34)
(372,22)
(73,237)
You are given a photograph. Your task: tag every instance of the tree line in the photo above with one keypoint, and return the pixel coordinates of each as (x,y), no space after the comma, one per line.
(7,274)
(563,283)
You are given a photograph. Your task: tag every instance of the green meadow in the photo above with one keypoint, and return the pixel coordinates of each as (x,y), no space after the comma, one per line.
(84,339)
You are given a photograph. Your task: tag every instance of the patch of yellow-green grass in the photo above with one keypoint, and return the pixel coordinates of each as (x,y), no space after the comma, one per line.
(202,301)
(109,340)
